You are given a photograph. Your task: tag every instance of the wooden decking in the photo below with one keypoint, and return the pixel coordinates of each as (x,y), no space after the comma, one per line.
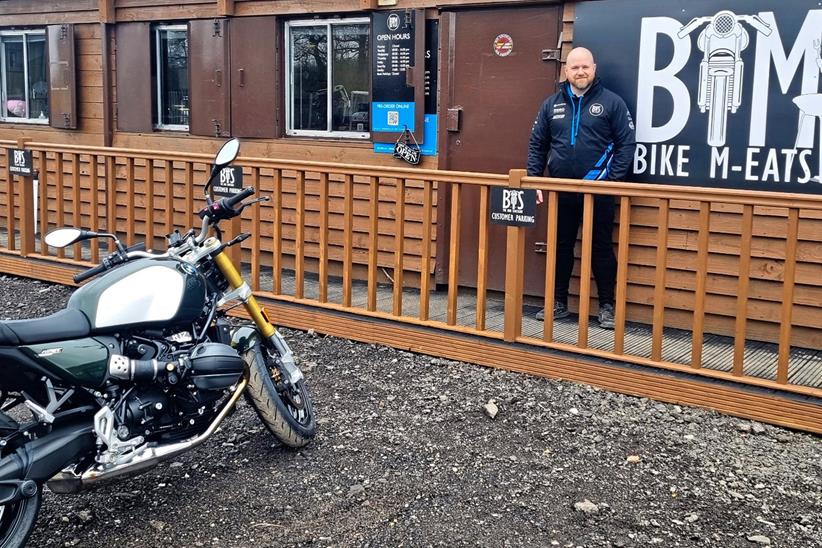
(760,357)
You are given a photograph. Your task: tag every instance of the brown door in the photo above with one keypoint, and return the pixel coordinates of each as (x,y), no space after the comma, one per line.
(497,79)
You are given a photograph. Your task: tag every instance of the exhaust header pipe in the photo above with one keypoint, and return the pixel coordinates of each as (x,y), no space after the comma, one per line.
(69,482)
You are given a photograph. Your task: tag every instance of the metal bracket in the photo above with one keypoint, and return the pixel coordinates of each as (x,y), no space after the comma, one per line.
(46,414)
(218,28)
(551,55)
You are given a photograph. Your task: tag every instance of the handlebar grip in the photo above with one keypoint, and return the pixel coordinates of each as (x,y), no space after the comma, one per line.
(137,247)
(90,273)
(237,198)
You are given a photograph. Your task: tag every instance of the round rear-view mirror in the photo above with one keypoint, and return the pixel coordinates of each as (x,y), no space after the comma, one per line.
(228,152)
(63,237)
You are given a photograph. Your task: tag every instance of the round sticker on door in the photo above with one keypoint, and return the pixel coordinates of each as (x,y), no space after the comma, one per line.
(503,45)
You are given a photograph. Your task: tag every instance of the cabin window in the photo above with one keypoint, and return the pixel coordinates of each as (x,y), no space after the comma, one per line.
(24,88)
(170,76)
(323,55)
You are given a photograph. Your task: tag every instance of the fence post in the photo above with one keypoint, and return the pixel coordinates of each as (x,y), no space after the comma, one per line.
(514,266)
(26,207)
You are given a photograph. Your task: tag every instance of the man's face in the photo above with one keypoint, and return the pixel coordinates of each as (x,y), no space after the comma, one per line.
(580,71)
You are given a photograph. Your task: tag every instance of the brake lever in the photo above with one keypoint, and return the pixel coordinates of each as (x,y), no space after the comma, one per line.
(252,202)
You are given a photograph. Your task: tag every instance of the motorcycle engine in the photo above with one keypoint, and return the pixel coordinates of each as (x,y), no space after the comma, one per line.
(168,390)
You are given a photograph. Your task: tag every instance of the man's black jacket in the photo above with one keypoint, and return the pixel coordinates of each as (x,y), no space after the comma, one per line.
(589,137)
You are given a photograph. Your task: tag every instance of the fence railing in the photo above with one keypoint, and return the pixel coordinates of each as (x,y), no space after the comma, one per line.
(693,263)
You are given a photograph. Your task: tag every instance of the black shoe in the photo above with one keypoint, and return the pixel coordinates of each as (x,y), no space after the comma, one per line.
(606,316)
(560,311)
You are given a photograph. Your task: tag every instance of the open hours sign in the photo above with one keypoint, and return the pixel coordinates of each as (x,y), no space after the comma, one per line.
(513,206)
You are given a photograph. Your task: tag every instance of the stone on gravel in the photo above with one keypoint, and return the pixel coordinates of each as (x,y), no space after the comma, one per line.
(586,506)
(491,409)
(633,459)
(762,540)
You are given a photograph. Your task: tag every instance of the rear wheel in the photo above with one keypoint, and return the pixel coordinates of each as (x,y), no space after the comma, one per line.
(17,520)
(286,411)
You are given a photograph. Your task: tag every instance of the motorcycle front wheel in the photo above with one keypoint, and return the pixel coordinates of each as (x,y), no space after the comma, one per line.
(17,520)
(286,411)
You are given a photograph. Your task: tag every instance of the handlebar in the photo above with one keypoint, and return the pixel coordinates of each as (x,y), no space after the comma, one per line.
(237,198)
(90,273)
(109,262)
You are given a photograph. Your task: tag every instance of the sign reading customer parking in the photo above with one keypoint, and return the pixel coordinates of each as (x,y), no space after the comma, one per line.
(513,206)
(20,163)
(724,93)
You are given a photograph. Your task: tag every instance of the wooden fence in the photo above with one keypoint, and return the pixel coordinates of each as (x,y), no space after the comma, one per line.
(361,240)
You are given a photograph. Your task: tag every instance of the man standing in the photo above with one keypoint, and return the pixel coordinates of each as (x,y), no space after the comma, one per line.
(584,131)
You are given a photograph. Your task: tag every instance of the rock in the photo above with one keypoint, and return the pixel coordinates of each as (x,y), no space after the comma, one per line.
(157,525)
(758,428)
(491,409)
(690,518)
(175,465)
(85,516)
(574,411)
(762,540)
(586,506)
(744,427)
(356,490)
(633,459)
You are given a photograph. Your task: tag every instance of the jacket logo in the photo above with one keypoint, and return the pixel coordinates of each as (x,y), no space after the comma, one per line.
(596,109)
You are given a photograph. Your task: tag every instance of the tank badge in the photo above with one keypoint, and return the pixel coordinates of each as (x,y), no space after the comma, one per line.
(49,352)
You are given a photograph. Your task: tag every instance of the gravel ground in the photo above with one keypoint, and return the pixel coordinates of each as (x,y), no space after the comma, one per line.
(407,455)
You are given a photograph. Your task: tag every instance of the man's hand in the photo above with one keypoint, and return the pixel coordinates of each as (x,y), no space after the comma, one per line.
(539,197)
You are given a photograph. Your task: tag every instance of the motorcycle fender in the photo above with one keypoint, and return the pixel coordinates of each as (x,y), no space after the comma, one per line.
(244,337)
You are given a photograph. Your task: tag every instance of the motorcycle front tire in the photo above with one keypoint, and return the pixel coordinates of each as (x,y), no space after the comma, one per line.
(291,426)
(17,520)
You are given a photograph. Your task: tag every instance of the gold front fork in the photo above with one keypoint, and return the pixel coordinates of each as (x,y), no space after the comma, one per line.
(235,280)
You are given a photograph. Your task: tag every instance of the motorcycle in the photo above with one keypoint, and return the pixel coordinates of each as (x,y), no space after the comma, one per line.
(721,71)
(142,365)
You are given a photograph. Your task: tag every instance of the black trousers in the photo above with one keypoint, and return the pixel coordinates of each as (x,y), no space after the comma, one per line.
(603,261)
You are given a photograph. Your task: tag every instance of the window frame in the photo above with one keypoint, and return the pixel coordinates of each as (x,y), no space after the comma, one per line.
(289,107)
(24,33)
(158,74)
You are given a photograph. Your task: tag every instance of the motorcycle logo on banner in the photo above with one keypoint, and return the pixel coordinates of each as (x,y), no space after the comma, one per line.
(724,93)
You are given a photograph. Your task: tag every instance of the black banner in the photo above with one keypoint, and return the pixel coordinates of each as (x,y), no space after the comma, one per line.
(20,162)
(723,93)
(513,206)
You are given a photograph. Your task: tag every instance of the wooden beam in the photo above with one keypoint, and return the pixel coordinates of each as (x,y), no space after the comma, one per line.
(107,12)
(225,7)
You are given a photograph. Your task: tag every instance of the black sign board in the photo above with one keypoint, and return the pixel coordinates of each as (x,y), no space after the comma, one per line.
(228,182)
(20,161)
(723,94)
(394,50)
(513,206)
(409,152)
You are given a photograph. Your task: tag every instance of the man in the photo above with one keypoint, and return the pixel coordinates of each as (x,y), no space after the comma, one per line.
(584,131)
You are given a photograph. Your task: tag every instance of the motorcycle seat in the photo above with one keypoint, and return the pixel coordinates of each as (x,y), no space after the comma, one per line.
(60,326)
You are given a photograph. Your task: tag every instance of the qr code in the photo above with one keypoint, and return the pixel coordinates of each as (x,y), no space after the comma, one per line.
(393,118)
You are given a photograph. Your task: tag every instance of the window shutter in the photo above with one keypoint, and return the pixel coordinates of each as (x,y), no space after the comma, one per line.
(254,77)
(62,89)
(134,88)
(209,78)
